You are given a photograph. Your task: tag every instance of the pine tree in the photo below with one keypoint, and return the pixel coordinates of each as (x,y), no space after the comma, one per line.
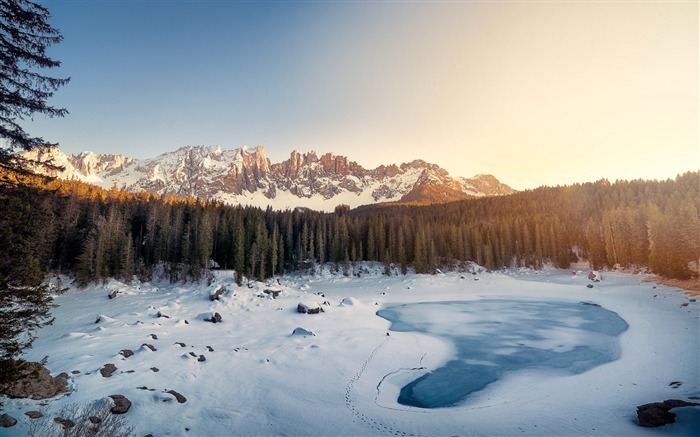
(274,249)
(25,299)
(127,262)
(371,244)
(420,259)
(239,250)
(280,258)
(386,260)
(402,252)
(26,35)
(320,244)
(85,269)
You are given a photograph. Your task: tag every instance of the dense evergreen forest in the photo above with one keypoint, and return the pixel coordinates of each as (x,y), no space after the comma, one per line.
(50,225)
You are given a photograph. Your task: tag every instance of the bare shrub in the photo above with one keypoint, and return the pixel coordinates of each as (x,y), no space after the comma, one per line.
(89,420)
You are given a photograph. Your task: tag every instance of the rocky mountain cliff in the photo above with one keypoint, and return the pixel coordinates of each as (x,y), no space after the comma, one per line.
(246,176)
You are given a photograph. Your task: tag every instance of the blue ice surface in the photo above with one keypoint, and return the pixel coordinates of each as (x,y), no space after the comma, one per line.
(493,337)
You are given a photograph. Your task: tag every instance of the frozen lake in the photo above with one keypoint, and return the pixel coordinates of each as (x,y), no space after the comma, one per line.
(494,337)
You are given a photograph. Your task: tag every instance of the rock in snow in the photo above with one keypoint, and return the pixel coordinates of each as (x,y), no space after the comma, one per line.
(213,318)
(180,398)
(35,382)
(107,370)
(595,276)
(126,352)
(33,414)
(218,292)
(309,308)
(121,404)
(7,421)
(659,413)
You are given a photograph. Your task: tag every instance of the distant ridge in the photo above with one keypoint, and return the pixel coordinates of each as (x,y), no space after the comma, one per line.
(246,176)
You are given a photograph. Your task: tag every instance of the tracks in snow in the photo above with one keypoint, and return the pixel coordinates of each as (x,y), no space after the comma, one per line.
(372,423)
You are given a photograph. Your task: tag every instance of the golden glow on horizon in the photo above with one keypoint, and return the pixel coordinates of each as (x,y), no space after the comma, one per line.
(535,93)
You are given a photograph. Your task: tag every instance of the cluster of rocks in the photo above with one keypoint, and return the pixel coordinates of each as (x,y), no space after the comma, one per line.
(34,381)
(272,293)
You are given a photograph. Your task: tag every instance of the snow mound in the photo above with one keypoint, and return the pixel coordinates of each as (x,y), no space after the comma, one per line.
(103,319)
(350,302)
(303,332)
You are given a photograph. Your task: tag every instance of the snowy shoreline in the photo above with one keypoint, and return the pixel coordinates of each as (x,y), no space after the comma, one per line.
(259,379)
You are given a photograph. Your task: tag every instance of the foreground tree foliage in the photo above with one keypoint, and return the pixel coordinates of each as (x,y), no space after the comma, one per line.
(25,34)
(26,222)
(26,242)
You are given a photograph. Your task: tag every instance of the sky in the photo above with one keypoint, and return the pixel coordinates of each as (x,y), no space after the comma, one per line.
(535,93)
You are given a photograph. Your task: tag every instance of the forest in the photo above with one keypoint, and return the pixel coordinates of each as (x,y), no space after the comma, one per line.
(91,234)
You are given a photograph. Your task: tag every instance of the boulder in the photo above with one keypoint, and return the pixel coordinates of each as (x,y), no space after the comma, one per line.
(180,398)
(112,295)
(213,318)
(273,293)
(7,421)
(126,352)
(595,276)
(65,423)
(34,414)
(214,295)
(659,413)
(34,381)
(121,404)
(149,346)
(309,308)
(107,370)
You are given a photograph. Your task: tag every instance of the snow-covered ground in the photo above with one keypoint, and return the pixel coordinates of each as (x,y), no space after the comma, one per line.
(260,378)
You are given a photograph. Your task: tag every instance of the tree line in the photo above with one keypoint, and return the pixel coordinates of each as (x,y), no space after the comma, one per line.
(94,234)
(90,234)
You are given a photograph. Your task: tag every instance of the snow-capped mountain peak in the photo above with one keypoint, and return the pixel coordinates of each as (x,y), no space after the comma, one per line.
(246,176)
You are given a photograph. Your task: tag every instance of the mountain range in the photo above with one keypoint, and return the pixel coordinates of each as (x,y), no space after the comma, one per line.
(246,176)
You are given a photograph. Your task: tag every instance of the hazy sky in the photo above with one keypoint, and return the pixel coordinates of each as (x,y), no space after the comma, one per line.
(536,93)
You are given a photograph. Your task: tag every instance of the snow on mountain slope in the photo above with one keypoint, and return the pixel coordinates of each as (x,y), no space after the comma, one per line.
(246,176)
